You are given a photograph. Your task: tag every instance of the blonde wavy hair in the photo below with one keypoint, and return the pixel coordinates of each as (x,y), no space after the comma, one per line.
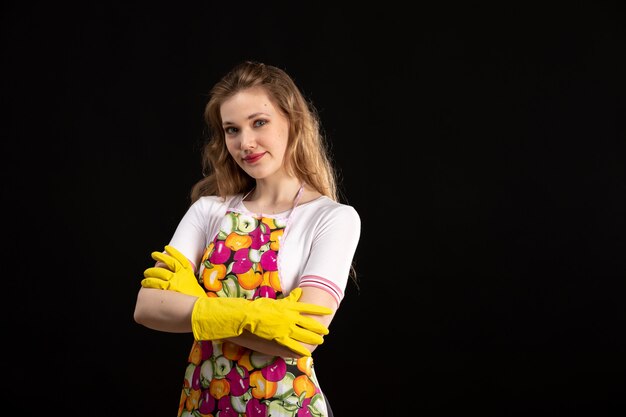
(306,156)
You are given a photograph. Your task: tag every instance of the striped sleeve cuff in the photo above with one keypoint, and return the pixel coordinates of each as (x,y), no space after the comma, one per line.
(324,284)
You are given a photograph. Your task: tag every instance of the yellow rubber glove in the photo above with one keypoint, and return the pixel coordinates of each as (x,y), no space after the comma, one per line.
(178,276)
(272,319)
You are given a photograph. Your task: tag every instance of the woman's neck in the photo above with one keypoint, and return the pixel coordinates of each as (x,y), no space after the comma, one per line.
(273,198)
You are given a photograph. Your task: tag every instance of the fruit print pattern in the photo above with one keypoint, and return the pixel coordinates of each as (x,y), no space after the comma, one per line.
(223,378)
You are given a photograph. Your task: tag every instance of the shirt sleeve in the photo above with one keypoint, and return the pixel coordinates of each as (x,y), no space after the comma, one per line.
(197,226)
(332,251)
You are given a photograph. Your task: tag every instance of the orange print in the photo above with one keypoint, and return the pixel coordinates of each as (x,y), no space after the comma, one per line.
(250,280)
(219,387)
(212,275)
(305,364)
(274,239)
(208,252)
(269,222)
(193,400)
(302,384)
(232,351)
(244,361)
(195,356)
(181,404)
(274,280)
(236,241)
(261,387)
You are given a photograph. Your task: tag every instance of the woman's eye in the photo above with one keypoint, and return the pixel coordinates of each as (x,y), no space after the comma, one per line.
(230,130)
(260,122)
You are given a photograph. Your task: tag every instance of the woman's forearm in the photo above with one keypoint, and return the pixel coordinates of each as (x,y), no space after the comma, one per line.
(253,342)
(170,311)
(166,311)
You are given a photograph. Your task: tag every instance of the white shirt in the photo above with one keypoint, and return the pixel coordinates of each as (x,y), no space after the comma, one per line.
(316,250)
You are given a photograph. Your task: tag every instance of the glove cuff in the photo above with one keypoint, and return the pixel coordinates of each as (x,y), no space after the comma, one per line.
(215,318)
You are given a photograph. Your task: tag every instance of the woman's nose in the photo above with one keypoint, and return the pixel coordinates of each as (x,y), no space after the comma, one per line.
(248,140)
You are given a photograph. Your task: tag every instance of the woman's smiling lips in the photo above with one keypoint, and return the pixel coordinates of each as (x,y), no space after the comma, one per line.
(253,157)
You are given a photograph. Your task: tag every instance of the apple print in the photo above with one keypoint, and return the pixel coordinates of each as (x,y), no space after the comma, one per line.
(233,351)
(255,408)
(228,225)
(260,360)
(195,356)
(189,374)
(247,294)
(260,236)
(222,367)
(261,387)
(287,407)
(230,287)
(276,371)
(207,349)
(236,241)
(239,379)
(241,261)
(239,402)
(268,261)
(206,373)
(285,388)
(303,385)
(225,409)
(305,411)
(220,254)
(246,223)
(316,405)
(207,403)
(219,387)
(228,382)
(280,222)
(255,255)
(265,291)
(218,350)
(195,378)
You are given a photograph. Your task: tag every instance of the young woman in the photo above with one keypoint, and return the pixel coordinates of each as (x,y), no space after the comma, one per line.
(258,265)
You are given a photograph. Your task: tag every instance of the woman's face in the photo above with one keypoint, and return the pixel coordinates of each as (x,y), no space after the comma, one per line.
(256,133)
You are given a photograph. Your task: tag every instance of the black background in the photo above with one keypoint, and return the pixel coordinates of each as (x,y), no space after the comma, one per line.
(483,147)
